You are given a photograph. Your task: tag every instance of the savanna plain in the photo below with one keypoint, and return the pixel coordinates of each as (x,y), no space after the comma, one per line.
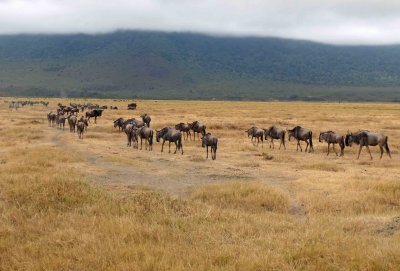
(96,204)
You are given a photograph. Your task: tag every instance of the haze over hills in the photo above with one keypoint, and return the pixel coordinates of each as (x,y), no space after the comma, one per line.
(159,65)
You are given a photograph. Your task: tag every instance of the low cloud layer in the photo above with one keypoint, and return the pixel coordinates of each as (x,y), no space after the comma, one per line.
(334,21)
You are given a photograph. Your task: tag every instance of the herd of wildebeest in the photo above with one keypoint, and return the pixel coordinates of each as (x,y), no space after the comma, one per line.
(136,130)
(139,130)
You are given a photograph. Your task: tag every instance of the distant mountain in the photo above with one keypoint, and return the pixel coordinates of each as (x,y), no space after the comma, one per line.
(193,66)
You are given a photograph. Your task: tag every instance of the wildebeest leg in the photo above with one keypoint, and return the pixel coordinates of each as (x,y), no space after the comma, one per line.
(329,144)
(335,149)
(306,146)
(215,153)
(341,149)
(169,146)
(273,145)
(162,145)
(95,119)
(381,151)
(359,151)
(128,137)
(369,151)
(176,146)
(388,150)
(141,143)
(207,152)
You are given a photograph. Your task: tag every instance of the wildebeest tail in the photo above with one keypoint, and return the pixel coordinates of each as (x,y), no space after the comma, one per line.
(311,144)
(387,147)
(180,142)
(151,138)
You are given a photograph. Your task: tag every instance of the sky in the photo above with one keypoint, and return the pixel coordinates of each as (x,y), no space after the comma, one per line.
(331,21)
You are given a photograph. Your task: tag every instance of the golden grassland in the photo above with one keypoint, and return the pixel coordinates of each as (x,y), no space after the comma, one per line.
(95,204)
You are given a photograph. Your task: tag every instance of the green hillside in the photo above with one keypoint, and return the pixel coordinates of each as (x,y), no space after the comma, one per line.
(192,66)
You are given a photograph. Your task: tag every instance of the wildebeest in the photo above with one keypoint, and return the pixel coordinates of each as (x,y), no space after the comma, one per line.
(72,120)
(137,123)
(301,134)
(119,123)
(147,134)
(130,131)
(94,113)
(61,121)
(14,105)
(275,133)
(198,128)
(51,117)
(257,133)
(212,141)
(331,137)
(367,138)
(146,119)
(183,128)
(170,135)
(81,126)
(74,110)
(132,106)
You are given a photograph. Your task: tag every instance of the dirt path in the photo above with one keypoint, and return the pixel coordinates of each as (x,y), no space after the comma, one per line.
(161,171)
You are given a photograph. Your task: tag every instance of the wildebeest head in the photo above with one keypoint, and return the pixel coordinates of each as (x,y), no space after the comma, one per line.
(290,133)
(321,138)
(349,139)
(118,122)
(159,134)
(267,132)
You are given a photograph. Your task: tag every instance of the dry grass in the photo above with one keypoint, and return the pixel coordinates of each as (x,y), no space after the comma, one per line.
(248,196)
(68,204)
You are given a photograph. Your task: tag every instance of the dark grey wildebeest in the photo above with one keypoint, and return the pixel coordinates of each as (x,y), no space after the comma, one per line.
(210,141)
(198,128)
(119,123)
(134,122)
(131,135)
(145,133)
(61,121)
(72,120)
(333,138)
(184,128)
(301,134)
(51,117)
(275,133)
(257,133)
(74,110)
(80,128)
(94,113)
(367,138)
(146,119)
(170,135)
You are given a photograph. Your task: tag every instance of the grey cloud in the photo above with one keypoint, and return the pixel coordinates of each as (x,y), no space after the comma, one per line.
(335,21)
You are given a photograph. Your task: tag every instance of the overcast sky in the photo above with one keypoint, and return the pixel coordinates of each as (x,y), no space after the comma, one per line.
(332,21)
